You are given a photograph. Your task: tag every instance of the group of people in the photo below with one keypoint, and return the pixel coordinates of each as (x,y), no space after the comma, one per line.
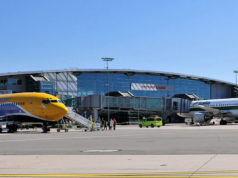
(111,124)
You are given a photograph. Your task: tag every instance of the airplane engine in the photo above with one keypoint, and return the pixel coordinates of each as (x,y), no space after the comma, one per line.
(201,117)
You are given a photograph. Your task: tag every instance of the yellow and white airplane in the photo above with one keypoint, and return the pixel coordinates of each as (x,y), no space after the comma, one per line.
(30,107)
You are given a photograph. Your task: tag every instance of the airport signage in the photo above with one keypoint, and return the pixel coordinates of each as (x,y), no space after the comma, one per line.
(151,87)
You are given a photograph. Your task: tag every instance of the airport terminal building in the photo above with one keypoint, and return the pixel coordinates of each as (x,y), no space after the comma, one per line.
(137,91)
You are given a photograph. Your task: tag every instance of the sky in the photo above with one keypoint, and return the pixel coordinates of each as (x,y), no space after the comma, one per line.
(195,37)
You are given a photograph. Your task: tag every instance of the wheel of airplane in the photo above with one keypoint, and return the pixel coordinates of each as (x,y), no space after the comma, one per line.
(14,128)
(10,128)
(223,122)
(44,129)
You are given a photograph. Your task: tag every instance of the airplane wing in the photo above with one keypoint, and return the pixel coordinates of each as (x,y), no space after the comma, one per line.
(212,110)
(184,115)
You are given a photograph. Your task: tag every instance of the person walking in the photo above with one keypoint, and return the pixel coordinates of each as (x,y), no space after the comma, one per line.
(101,123)
(108,124)
(104,124)
(111,124)
(85,114)
(114,123)
(92,127)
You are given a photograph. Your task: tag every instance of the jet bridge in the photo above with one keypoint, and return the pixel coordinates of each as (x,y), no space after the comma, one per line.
(81,120)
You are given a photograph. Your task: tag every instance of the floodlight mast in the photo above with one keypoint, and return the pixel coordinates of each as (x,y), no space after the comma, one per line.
(236,72)
(107,59)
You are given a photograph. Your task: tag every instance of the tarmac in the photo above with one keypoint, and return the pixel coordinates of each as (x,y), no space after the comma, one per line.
(118,165)
(93,160)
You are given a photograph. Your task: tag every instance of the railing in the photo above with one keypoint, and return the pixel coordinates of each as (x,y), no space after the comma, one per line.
(80,119)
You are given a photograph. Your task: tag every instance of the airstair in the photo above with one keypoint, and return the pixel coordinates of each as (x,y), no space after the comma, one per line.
(81,120)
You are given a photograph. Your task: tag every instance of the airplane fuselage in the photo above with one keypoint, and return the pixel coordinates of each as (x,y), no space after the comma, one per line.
(228,106)
(40,106)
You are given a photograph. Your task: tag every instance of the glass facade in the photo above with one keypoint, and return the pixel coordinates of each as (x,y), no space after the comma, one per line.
(40,86)
(46,87)
(14,81)
(2,92)
(96,83)
(65,83)
(136,103)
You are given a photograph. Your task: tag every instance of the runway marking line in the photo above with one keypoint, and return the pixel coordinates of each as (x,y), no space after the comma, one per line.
(95,176)
(63,138)
(203,174)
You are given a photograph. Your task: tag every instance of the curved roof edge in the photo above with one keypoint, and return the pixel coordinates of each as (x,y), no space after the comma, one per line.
(76,70)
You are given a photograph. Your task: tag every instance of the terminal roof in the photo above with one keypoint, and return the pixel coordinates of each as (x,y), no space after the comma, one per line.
(128,72)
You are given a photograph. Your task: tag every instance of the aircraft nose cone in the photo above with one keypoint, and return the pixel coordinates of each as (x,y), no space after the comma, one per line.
(63,110)
(66,110)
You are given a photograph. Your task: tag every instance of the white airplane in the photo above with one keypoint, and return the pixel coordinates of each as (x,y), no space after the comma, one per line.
(203,111)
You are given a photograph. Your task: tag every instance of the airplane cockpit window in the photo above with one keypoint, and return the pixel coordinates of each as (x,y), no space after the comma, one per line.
(54,101)
(47,101)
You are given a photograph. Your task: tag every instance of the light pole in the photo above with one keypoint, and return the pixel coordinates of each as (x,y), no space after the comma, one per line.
(107,59)
(167,87)
(236,71)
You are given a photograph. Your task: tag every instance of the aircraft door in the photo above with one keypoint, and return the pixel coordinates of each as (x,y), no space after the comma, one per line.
(31,103)
(42,107)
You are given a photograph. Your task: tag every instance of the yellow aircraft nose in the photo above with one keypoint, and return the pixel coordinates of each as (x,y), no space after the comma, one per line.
(61,111)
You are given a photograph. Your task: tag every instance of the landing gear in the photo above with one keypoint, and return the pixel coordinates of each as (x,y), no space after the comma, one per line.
(45,128)
(223,122)
(12,128)
(66,130)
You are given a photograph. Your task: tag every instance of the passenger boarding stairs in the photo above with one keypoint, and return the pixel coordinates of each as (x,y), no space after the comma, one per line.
(81,120)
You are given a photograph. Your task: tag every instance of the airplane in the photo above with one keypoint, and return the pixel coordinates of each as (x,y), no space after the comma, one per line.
(203,111)
(30,107)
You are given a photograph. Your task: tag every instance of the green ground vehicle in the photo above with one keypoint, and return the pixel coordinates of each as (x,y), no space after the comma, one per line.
(153,121)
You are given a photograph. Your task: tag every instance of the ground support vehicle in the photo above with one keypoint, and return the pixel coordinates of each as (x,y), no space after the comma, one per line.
(152,121)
